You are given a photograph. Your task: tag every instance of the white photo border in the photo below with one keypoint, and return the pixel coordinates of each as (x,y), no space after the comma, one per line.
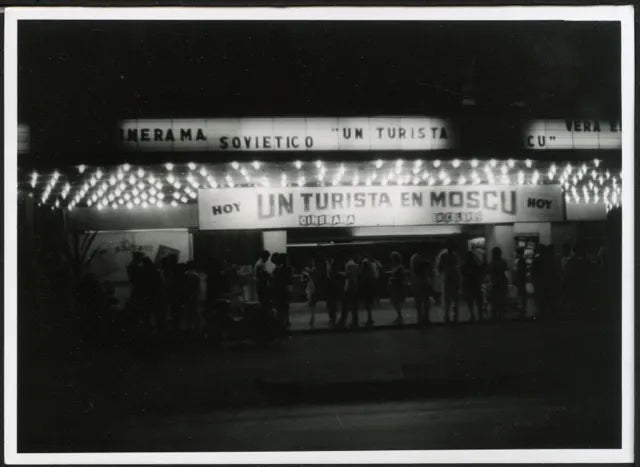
(623,14)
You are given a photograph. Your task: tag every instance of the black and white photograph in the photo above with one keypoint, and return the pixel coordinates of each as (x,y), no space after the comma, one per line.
(319,235)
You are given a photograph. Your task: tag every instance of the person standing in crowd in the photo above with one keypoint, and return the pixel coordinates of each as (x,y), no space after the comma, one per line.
(521,281)
(282,281)
(311,280)
(537,273)
(450,272)
(196,295)
(262,277)
(576,281)
(499,283)
(422,287)
(334,288)
(472,274)
(397,286)
(368,283)
(350,297)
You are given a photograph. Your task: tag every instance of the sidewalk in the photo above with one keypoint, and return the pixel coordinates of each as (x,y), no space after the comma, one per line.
(384,315)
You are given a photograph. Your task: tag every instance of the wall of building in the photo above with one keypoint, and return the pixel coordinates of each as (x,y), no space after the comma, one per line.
(169,217)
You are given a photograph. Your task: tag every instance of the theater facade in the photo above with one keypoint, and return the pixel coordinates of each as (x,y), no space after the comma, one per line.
(218,187)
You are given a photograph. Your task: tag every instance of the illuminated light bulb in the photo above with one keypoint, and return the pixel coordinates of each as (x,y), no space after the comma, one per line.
(159,204)
(455,163)
(418,163)
(171,178)
(132,180)
(99,207)
(135,192)
(143,196)
(442,174)
(550,175)
(99,174)
(111,197)
(446,181)
(127,196)
(176,195)
(145,205)
(120,175)
(379,163)
(415,181)
(120,201)
(521,177)
(596,162)
(118,191)
(298,165)
(196,185)
(126,167)
(184,199)
(153,191)
(511,163)
(607,174)
(136,201)
(94,198)
(158,185)
(256,165)
(384,182)
(93,182)
(462,180)
(82,168)
(436,163)
(129,205)
(140,186)
(168,166)
(57,203)
(283,180)
(504,169)
(368,181)
(318,164)
(191,165)
(334,182)
(505,180)
(160,195)
(493,163)
(151,179)
(398,169)
(177,185)
(425,175)
(399,163)
(235,165)
(474,163)
(374,176)
(174,203)
(89,203)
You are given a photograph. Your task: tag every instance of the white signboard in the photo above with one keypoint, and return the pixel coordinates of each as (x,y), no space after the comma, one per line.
(287,134)
(277,208)
(572,134)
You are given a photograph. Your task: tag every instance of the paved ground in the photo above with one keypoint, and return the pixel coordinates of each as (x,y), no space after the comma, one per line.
(492,385)
(383,314)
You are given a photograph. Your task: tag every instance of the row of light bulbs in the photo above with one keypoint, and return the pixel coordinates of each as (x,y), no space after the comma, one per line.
(128,186)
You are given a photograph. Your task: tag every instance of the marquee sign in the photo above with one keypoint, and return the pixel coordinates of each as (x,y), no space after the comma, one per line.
(572,134)
(287,134)
(277,208)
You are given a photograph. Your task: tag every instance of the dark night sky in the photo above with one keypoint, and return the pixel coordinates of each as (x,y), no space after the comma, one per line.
(78,78)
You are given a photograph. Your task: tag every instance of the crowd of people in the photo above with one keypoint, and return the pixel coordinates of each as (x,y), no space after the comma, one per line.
(538,286)
(175,296)
(172,295)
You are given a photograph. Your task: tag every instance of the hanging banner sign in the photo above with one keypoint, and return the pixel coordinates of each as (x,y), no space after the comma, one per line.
(287,134)
(277,208)
(572,134)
